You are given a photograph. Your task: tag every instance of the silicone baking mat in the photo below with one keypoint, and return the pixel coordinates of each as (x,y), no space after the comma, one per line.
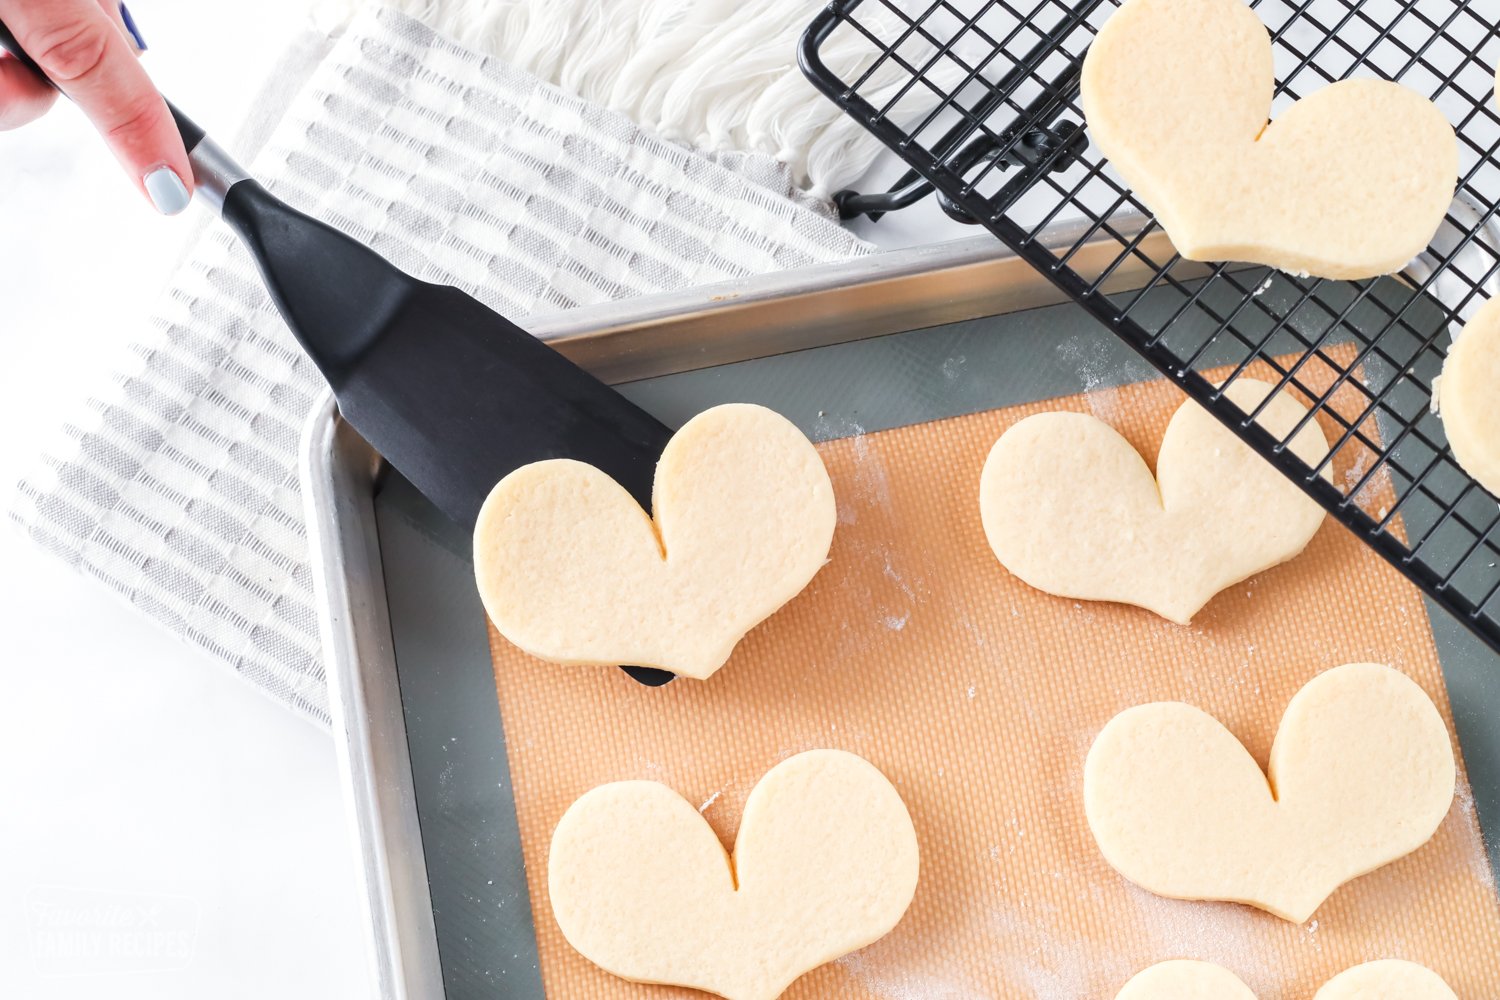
(979,697)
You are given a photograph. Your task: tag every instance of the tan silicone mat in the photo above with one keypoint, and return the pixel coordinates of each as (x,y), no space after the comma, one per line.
(979,698)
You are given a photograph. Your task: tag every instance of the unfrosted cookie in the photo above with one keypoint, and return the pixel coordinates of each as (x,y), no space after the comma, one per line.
(1469,397)
(1350,182)
(825,863)
(1389,979)
(1185,980)
(1072,509)
(571,569)
(1361,773)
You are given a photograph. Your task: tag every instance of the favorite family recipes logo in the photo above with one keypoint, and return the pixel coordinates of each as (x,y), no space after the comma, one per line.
(79,932)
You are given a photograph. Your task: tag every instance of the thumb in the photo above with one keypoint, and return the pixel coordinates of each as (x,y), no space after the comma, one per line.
(22,96)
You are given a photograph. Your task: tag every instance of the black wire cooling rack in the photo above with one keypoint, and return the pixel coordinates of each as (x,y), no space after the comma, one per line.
(980,99)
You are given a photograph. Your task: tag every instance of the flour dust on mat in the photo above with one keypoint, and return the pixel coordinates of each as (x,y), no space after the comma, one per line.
(1015,901)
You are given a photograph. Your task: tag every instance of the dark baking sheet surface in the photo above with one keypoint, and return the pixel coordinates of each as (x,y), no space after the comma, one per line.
(476,877)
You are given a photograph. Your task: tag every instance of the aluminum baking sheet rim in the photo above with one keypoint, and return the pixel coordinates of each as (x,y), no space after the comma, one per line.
(702,327)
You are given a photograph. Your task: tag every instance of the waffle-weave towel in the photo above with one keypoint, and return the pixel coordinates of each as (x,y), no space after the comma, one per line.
(181,492)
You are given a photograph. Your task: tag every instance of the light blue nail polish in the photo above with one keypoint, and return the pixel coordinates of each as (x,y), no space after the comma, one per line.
(167,191)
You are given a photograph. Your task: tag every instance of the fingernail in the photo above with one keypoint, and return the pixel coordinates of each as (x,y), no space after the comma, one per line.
(135,33)
(167,191)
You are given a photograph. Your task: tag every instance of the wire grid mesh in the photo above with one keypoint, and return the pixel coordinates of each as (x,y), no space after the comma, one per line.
(999,135)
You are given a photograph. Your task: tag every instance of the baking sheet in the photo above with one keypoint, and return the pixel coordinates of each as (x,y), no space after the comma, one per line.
(457,756)
(979,696)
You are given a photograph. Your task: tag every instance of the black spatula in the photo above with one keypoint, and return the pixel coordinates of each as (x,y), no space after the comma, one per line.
(454,395)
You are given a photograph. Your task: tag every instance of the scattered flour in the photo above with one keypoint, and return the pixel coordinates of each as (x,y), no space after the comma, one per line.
(906,588)
(891,984)
(1091,359)
(973,630)
(1224,932)
(872,484)
(1356,472)
(1479,860)
(1054,965)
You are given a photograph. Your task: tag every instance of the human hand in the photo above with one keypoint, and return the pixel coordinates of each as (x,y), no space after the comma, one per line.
(88,48)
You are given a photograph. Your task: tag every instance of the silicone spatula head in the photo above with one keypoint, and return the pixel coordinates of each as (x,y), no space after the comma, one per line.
(454,395)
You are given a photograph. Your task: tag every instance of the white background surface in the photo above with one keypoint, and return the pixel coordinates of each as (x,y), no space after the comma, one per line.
(165,830)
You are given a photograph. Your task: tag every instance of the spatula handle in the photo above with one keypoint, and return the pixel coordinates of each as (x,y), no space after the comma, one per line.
(214,170)
(192,135)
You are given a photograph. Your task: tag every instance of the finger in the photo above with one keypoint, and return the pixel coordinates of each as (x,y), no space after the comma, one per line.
(80,48)
(120,15)
(23,98)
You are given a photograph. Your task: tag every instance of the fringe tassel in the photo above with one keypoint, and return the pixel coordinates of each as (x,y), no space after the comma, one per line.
(715,75)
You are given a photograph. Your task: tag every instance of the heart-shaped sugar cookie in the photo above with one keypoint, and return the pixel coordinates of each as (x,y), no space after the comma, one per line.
(1469,397)
(1185,980)
(572,570)
(1071,508)
(1388,979)
(1352,181)
(825,863)
(1361,773)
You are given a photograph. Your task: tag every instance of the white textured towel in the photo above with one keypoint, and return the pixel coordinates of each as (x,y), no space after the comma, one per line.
(181,492)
